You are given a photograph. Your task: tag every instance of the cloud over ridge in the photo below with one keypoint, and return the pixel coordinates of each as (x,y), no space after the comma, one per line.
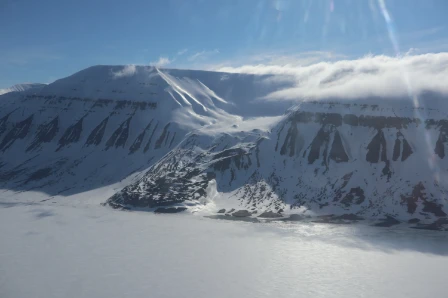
(369,76)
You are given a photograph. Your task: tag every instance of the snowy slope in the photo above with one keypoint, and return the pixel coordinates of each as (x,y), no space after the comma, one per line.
(207,140)
(22,87)
(58,251)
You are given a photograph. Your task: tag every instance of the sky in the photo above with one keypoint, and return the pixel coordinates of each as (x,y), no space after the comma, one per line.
(41,41)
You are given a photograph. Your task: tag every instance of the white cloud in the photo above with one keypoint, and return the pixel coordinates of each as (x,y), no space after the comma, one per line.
(276,61)
(126,71)
(163,61)
(302,58)
(370,76)
(202,55)
(181,52)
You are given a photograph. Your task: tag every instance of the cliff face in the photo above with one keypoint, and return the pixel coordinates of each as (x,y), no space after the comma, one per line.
(57,143)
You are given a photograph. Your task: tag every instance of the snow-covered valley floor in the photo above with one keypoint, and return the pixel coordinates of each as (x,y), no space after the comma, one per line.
(91,251)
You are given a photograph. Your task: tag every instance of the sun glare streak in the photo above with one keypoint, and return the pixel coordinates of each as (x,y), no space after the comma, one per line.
(390,26)
(412,95)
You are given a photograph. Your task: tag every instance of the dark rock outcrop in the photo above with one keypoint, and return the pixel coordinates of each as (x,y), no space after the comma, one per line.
(349,216)
(148,144)
(162,137)
(418,194)
(407,150)
(96,136)
(376,150)
(45,133)
(429,227)
(337,152)
(355,196)
(172,139)
(3,122)
(40,174)
(440,144)
(236,157)
(321,139)
(138,141)
(19,131)
(270,214)
(401,148)
(170,210)
(241,213)
(71,135)
(389,221)
(289,145)
(120,135)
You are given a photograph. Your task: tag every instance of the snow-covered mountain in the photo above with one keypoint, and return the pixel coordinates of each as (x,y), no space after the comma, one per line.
(141,137)
(95,128)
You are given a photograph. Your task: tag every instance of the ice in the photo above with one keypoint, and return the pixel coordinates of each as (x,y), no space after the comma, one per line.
(50,250)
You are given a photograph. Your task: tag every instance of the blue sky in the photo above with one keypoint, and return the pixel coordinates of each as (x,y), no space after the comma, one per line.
(44,40)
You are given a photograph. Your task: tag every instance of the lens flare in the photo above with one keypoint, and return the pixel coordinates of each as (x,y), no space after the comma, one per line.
(390,26)
(412,95)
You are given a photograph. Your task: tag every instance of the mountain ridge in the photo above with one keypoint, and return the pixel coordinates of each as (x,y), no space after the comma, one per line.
(207,140)
(22,87)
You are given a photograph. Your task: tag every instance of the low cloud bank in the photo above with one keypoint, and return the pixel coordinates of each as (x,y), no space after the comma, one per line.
(370,76)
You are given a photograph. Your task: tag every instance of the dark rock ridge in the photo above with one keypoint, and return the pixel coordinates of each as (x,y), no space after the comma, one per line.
(97,102)
(418,195)
(389,221)
(401,148)
(337,152)
(96,136)
(376,150)
(162,137)
(138,141)
(337,120)
(3,122)
(170,210)
(442,140)
(354,196)
(120,135)
(45,133)
(71,135)
(19,131)
(241,213)
(148,144)
(168,183)
(270,214)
